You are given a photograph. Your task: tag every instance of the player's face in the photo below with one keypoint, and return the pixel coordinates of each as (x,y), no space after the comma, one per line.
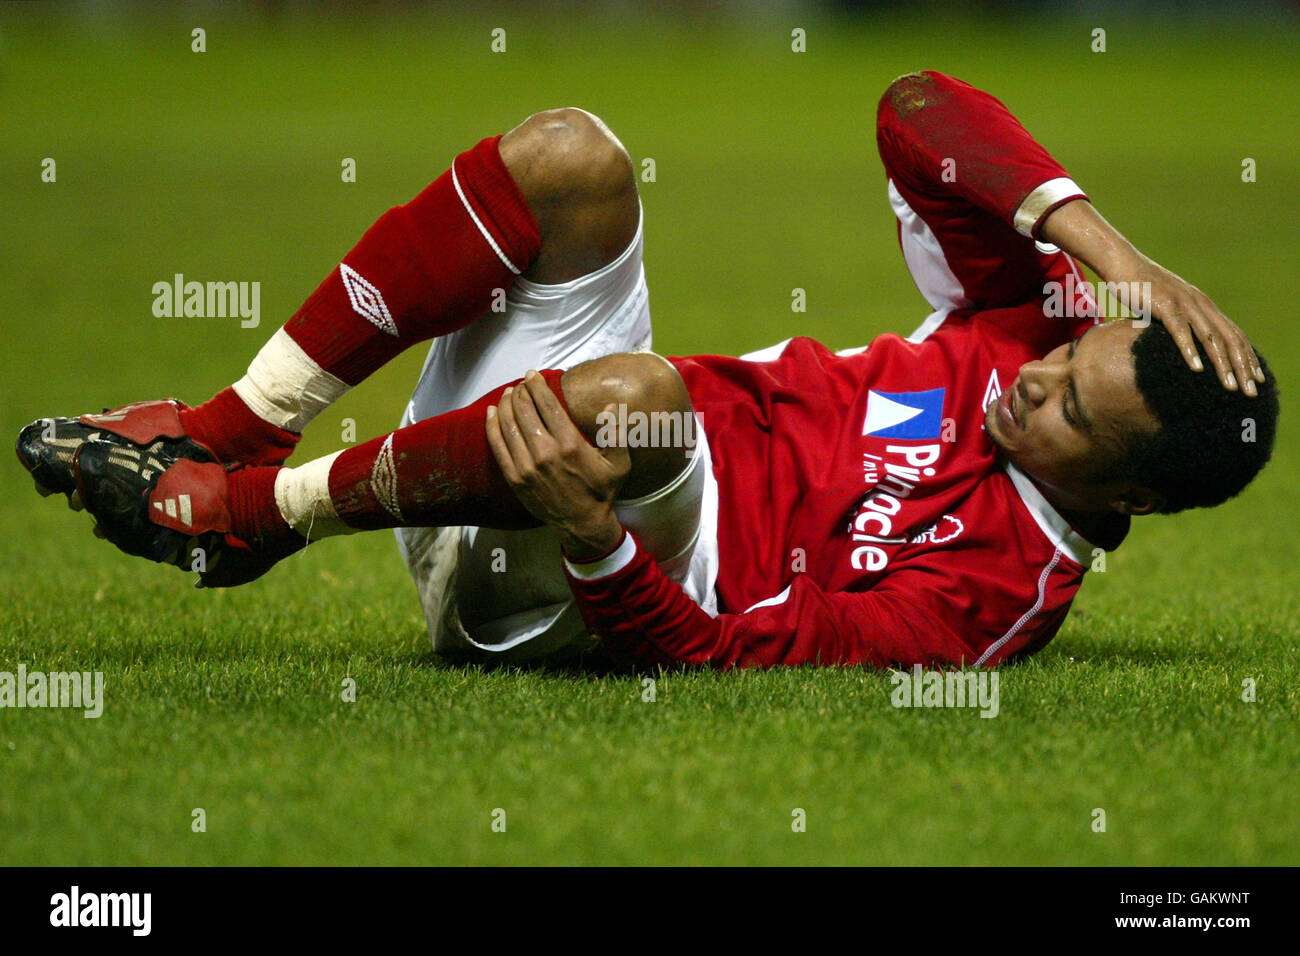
(1066,414)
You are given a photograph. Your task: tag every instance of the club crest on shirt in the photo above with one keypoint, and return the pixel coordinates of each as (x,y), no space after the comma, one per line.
(942,531)
(916,416)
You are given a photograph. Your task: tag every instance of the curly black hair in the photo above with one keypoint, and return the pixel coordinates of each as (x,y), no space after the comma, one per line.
(1211,442)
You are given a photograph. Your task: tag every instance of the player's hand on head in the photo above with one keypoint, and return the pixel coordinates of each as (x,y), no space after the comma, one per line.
(557,475)
(1190,316)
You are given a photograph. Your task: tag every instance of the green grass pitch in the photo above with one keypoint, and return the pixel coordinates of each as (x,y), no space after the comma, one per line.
(226,165)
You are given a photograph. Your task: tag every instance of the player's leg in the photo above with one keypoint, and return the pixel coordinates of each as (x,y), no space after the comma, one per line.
(441,471)
(548,201)
(436,472)
(491,594)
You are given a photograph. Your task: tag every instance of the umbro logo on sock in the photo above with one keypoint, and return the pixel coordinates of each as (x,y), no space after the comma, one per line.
(383,479)
(366,300)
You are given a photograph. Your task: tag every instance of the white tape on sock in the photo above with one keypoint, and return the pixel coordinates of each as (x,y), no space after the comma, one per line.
(303,496)
(286,387)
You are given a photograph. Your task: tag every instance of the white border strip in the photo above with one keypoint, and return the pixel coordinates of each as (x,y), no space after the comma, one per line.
(1057,529)
(1024,618)
(612,563)
(481,228)
(1041,199)
(928,265)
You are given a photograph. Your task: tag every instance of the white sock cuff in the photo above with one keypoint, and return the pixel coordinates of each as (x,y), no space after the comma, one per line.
(286,387)
(303,496)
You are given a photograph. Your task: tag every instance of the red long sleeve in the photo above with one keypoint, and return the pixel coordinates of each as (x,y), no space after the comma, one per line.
(969,185)
(955,139)
(643,615)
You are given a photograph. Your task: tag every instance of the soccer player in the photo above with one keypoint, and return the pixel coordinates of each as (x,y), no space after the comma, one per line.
(931,500)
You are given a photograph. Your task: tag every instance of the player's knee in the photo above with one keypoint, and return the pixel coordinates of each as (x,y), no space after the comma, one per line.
(641,381)
(567,153)
(654,384)
(644,388)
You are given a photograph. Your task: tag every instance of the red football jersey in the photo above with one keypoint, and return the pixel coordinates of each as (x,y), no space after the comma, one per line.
(865,516)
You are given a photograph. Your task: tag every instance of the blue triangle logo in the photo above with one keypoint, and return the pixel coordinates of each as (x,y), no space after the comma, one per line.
(907,415)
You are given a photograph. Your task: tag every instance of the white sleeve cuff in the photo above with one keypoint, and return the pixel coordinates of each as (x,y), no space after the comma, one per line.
(611,563)
(1038,202)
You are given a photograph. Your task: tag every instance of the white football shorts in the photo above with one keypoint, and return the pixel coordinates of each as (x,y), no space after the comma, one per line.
(501,596)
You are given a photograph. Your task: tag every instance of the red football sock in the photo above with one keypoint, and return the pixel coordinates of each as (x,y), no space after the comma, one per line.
(423,269)
(227,426)
(437,472)
(254,517)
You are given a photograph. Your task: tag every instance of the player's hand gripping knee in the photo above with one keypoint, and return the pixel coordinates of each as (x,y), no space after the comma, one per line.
(557,475)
